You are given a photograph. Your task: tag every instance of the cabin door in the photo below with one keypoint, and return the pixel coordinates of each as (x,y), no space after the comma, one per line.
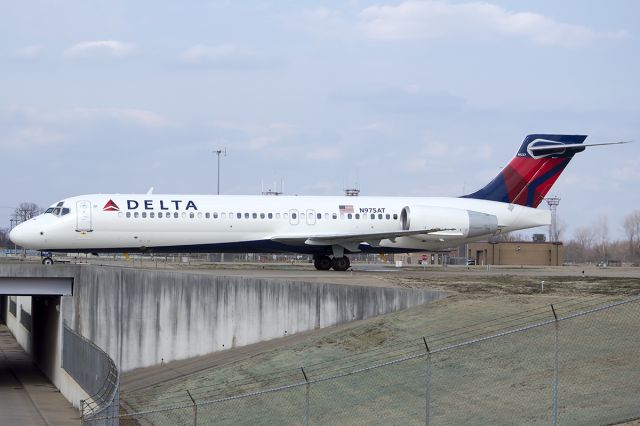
(83,216)
(311,217)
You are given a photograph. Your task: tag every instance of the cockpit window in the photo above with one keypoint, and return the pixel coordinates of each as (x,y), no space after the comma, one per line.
(58,209)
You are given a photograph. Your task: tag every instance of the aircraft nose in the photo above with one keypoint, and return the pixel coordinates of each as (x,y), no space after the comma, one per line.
(17,235)
(23,235)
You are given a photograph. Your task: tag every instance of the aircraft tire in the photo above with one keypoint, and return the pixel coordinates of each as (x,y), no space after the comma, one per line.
(322,263)
(47,261)
(340,263)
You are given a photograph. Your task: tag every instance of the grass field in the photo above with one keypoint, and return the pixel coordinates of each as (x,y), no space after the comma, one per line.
(501,381)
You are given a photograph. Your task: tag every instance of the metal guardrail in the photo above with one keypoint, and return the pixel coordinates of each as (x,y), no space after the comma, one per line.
(95,371)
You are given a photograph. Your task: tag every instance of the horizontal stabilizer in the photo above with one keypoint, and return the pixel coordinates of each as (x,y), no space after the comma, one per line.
(575,145)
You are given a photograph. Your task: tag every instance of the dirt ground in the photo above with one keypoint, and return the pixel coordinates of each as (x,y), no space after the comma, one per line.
(487,382)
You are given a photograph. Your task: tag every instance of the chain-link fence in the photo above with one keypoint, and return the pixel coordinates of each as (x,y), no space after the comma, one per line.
(577,364)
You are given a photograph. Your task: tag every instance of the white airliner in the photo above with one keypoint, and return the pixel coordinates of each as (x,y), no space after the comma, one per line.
(326,227)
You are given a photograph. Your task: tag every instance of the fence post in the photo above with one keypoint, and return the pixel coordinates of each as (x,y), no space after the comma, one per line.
(307,404)
(427,382)
(554,386)
(82,411)
(195,409)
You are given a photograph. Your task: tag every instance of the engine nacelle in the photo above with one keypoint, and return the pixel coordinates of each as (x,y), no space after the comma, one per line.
(464,223)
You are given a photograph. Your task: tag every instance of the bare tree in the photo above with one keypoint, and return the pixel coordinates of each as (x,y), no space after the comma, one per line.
(4,238)
(581,246)
(26,211)
(631,227)
(507,237)
(560,229)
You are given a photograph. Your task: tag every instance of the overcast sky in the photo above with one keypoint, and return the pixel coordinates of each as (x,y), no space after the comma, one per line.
(403,98)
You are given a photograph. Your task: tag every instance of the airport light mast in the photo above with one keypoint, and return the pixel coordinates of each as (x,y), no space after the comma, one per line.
(218,152)
(553,228)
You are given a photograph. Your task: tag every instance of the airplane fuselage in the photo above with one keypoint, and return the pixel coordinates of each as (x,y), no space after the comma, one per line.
(203,223)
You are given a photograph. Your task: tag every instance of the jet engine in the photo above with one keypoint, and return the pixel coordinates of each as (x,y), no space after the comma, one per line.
(459,222)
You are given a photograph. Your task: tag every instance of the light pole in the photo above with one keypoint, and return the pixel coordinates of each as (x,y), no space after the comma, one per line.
(218,152)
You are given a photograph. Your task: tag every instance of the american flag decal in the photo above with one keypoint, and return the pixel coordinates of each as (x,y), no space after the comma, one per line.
(346,208)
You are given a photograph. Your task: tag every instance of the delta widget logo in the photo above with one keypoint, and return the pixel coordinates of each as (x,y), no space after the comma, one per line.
(111,207)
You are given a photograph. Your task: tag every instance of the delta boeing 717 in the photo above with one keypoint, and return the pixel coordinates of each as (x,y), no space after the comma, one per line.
(328,228)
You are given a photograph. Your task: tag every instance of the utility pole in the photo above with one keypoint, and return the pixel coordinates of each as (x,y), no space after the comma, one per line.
(218,152)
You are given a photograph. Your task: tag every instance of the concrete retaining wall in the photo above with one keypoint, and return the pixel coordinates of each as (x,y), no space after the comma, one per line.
(144,317)
(141,317)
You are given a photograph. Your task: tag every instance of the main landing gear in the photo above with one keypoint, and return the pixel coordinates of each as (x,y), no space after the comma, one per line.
(324,263)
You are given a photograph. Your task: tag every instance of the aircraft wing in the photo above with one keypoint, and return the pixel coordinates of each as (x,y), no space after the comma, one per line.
(351,241)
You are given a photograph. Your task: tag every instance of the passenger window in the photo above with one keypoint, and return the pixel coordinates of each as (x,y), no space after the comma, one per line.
(128,214)
(379,215)
(223,215)
(120,214)
(341,215)
(246,215)
(388,216)
(349,216)
(302,216)
(144,215)
(395,216)
(199,215)
(175,215)
(135,215)
(184,215)
(293,215)
(277,215)
(334,216)
(151,214)
(270,215)
(207,215)
(357,215)
(159,215)
(373,216)
(215,215)
(191,215)
(254,215)
(240,215)
(326,215)
(285,216)
(262,216)
(319,215)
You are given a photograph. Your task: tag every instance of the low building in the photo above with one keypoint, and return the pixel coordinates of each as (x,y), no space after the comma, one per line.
(516,253)
(423,258)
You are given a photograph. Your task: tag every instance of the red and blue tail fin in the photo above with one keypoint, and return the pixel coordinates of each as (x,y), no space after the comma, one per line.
(533,171)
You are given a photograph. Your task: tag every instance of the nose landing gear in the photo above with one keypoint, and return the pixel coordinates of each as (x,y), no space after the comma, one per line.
(47,258)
